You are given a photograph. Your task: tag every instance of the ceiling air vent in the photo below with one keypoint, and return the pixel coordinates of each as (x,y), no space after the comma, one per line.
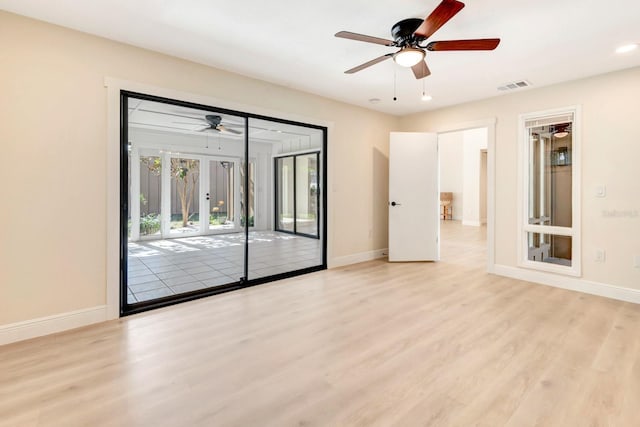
(514,85)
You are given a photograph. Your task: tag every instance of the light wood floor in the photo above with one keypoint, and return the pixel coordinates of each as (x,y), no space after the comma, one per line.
(370,344)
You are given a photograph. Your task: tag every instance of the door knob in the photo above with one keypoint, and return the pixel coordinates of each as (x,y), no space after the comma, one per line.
(395,204)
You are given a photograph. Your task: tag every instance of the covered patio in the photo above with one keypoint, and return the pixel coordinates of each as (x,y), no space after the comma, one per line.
(164,267)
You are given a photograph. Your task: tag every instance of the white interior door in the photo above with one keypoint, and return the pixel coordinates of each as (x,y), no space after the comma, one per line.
(414,202)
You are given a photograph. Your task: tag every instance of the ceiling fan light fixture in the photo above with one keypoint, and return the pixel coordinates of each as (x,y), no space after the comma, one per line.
(561,134)
(408,56)
(426,97)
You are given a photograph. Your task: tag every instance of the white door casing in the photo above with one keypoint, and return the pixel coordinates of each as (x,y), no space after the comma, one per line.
(414,202)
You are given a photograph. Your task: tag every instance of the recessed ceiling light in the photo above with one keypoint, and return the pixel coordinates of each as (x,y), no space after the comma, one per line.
(426,97)
(627,48)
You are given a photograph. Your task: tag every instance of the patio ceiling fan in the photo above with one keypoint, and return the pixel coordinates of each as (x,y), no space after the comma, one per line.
(214,122)
(410,35)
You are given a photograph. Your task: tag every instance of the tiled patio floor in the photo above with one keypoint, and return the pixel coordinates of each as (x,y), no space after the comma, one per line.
(158,268)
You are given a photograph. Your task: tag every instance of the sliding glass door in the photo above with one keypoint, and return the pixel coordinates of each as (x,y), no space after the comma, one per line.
(198,201)
(297,194)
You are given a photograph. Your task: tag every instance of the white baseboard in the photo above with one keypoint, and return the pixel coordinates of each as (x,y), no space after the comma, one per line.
(28,329)
(356,258)
(471,223)
(570,283)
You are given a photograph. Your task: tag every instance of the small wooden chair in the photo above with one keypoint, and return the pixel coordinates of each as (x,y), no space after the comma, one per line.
(446,205)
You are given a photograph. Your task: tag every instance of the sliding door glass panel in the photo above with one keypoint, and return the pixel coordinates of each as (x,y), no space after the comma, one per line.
(285,193)
(185,189)
(284,179)
(185,237)
(307,194)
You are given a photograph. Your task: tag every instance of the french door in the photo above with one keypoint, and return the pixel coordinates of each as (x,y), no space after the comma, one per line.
(192,195)
(297,194)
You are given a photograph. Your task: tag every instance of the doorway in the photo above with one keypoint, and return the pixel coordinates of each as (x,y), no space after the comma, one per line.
(463,156)
(197,209)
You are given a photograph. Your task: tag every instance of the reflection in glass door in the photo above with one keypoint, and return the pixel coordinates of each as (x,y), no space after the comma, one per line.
(297,194)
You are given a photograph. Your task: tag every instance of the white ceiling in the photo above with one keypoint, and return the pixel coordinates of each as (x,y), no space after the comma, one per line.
(291,42)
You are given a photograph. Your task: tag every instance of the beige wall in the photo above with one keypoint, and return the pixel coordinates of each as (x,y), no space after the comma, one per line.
(610,156)
(53,110)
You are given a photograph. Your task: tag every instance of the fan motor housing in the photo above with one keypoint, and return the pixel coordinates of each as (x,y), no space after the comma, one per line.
(402,32)
(213,119)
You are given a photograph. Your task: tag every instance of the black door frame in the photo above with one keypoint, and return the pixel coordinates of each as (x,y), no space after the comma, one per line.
(243,282)
(295,194)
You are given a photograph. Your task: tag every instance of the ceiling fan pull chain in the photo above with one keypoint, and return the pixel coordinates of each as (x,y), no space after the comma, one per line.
(395,80)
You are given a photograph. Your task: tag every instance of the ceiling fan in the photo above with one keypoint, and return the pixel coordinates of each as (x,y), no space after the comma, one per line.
(411,34)
(214,122)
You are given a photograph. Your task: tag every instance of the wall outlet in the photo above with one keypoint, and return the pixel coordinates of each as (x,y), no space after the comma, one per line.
(636,261)
(601,191)
(599,255)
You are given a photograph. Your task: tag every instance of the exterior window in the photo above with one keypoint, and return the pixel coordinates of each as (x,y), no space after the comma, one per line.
(549,231)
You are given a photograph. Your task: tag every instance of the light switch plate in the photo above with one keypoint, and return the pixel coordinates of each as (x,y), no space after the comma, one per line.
(599,255)
(636,261)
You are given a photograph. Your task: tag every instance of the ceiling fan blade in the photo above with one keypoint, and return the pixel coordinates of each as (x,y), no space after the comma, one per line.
(440,15)
(420,70)
(221,128)
(234,125)
(364,38)
(369,64)
(477,44)
(202,129)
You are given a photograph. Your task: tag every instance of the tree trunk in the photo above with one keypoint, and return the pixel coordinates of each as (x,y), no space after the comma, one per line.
(182,191)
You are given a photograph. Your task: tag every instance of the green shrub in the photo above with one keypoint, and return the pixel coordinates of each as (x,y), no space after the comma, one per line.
(149,224)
